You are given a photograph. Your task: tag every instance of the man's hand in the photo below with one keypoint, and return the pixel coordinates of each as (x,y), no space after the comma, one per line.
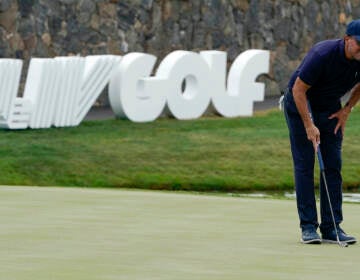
(342,115)
(313,135)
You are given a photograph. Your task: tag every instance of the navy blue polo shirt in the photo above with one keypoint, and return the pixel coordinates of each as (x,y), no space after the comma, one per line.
(328,72)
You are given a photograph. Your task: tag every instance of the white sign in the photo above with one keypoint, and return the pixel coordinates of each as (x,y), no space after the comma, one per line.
(60,91)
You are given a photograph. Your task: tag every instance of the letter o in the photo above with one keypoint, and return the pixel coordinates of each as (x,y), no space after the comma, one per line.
(193,101)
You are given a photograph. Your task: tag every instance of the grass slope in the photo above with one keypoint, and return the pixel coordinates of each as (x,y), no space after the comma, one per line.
(93,234)
(208,154)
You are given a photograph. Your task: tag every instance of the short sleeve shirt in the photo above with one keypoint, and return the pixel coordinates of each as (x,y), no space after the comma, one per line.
(328,72)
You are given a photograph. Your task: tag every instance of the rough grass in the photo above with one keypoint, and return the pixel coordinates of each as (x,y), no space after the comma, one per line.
(208,154)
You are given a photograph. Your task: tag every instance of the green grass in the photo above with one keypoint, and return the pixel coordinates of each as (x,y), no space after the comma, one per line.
(208,154)
(97,234)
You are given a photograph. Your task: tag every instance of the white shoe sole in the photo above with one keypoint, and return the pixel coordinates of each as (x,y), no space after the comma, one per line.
(312,241)
(329,241)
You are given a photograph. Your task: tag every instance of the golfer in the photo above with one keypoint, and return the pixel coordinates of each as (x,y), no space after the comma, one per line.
(329,70)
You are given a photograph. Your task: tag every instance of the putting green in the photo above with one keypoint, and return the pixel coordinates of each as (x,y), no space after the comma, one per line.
(73,233)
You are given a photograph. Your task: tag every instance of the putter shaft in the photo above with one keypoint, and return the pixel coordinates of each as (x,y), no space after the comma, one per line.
(322,170)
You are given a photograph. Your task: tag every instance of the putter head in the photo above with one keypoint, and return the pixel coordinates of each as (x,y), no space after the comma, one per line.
(343,244)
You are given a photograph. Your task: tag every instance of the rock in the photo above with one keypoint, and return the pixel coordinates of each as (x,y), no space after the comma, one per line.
(8,18)
(30,42)
(25,7)
(55,24)
(46,38)
(16,42)
(4,45)
(86,6)
(5,5)
(27,27)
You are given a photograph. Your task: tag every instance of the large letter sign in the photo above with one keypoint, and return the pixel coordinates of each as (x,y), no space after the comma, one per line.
(132,93)
(60,91)
(14,112)
(242,90)
(186,66)
(241,81)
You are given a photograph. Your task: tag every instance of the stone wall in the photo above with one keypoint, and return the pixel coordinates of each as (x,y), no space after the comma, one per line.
(48,28)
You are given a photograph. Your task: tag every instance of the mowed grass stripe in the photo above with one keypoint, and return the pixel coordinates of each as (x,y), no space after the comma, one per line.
(74,233)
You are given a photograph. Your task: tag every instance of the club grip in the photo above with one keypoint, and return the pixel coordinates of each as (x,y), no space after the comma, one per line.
(319,156)
(320,159)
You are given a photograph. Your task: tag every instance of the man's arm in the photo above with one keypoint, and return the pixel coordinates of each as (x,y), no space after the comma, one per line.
(299,92)
(343,114)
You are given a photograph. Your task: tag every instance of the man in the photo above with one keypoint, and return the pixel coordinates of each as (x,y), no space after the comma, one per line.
(329,70)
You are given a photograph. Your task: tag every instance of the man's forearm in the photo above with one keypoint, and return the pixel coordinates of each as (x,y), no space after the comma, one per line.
(299,94)
(301,105)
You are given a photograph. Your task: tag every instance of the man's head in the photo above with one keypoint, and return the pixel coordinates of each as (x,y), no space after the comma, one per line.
(353,29)
(352,40)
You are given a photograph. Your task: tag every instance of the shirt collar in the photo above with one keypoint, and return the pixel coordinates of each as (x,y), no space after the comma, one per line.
(342,50)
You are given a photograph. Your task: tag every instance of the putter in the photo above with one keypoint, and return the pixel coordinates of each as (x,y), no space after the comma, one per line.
(322,170)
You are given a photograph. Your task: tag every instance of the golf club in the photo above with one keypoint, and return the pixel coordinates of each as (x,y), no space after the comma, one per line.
(322,171)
